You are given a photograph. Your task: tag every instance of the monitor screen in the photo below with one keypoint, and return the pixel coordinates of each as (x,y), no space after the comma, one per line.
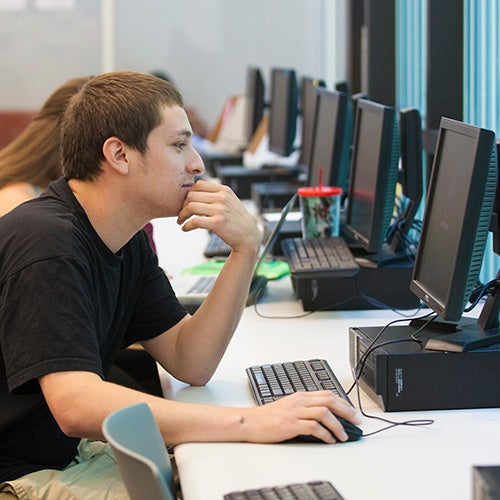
(255,96)
(307,107)
(284,111)
(331,144)
(457,218)
(373,175)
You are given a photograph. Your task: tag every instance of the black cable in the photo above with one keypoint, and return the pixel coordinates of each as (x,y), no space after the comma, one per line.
(358,370)
(360,366)
(328,307)
(336,305)
(479,292)
(379,304)
(408,243)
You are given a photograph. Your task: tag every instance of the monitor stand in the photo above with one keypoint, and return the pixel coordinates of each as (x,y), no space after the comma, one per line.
(386,257)
(468,334)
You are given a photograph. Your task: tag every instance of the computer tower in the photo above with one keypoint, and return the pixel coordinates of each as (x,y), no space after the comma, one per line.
(290,229)
(371,288)
(486,482)
(273,196)
(241,178)
(402,376)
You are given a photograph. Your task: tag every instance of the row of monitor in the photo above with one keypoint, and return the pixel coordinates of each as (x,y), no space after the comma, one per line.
(361,154)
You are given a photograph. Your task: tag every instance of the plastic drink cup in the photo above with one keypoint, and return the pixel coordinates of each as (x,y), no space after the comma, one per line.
(320,207)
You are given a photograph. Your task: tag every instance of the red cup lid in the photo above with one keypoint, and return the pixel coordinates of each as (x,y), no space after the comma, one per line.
(320,191)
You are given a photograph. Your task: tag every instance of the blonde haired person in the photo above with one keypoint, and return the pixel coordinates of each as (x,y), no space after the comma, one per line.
(31,161)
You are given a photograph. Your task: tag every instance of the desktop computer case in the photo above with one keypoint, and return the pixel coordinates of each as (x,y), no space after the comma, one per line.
(389,287)
(486,482)
(404,377)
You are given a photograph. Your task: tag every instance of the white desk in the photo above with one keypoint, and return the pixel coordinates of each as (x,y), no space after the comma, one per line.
(432,462)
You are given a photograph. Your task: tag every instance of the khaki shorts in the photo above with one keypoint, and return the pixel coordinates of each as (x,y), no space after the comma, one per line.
(92,475)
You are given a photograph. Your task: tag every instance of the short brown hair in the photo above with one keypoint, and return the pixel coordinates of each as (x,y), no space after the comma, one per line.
(122,104)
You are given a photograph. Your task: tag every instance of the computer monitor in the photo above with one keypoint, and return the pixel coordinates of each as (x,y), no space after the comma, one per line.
(308,88)
(410,176)
(373,175)
(355,98)
(331,144)
(284,111)
(255,95)
(495,219)
(454,232)
(342,86)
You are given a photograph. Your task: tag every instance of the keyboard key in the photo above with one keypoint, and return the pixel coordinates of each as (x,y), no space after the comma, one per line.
(202,284)
(270,382)
(319,257)
(313,490)
(216,247)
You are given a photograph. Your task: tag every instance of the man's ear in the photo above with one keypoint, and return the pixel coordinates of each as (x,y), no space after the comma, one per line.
(115,153)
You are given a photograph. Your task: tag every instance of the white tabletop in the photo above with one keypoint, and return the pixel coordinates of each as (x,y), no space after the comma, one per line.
(403,462)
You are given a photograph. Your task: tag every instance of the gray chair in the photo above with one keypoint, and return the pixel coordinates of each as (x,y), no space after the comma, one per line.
(140,453)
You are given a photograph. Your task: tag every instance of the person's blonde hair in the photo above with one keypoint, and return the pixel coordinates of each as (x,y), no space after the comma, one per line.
(33,156)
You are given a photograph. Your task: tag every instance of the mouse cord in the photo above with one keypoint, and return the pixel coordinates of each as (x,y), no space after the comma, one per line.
(361,364)
(392,423)
(372,346)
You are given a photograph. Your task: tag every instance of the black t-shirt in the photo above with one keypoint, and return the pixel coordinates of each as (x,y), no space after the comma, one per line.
(67,302)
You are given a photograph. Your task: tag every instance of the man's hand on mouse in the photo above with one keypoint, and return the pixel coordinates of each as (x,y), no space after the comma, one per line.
(301,413)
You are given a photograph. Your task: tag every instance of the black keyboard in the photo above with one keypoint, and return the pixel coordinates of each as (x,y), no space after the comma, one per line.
(273,381)
(216,247)
(319,257)
(202,285)
(312,490)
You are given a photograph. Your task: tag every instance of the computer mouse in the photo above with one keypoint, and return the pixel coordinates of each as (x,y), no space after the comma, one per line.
(354,433)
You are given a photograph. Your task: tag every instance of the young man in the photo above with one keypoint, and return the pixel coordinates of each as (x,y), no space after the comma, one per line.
(79,281)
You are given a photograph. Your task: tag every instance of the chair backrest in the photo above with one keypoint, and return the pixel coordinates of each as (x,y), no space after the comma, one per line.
(140,453)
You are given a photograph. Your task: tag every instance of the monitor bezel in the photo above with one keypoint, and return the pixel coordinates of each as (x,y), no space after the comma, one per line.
(336,173)
(308,88)
(474,226)
(255,92)
(387,171)
(283,146)
(495,219)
